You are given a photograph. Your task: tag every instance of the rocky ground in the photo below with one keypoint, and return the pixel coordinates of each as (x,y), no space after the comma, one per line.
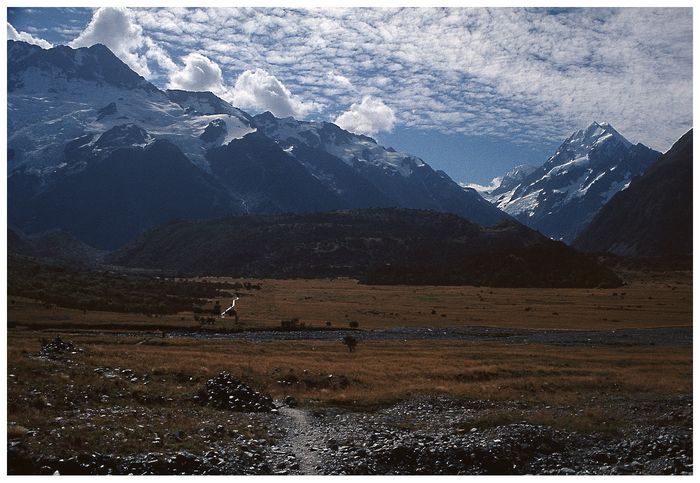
(425,435)
(244,431)
(444,436)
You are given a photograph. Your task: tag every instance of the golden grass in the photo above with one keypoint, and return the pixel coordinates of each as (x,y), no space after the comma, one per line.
(59,407)
(661,301)
(389,370)
(69,407)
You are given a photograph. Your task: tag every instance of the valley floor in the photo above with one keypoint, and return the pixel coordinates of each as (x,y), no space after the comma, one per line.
(577,393)
(648,300)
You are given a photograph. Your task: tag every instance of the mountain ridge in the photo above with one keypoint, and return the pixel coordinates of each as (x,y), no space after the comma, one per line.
(653,217)
(562,196)
(57,133)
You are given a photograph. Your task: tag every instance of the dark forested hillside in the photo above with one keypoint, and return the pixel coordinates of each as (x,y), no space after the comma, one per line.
(375,246)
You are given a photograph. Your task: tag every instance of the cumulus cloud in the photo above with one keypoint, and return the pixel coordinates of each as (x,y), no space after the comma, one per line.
(257,89)
(117,28)
(198,74)
(13,34)
(369,117)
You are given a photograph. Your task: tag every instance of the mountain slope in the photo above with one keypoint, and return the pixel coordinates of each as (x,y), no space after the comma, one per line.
(32,68)
(54,246)
(71,109)
(654,216)
(267,178)
(561,197)
(117,197)
(377,246)
(61,94)
(401,180)
(503,184)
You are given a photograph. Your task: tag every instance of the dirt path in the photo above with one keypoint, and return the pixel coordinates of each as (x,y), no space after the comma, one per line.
(302,440)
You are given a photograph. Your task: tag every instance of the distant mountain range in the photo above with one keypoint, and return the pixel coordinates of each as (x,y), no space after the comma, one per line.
(392,246)
(654,216)
(561,197)
(96,150)
(97,155)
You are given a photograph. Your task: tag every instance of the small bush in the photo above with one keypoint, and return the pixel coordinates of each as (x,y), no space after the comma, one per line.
(292,324)
(354,324)
(351,342)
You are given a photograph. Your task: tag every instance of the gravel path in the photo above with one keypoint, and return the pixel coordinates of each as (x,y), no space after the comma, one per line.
(302,440)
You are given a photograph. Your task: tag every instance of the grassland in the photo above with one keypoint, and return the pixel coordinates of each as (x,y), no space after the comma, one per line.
(130,394)
(648,300)
(156,394)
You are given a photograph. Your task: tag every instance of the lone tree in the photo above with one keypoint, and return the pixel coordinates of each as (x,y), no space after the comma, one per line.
(350,341)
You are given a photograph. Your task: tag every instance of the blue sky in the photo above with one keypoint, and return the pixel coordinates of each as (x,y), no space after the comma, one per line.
(472,91)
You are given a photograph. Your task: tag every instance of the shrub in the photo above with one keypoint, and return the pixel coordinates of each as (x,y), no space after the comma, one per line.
(292,324)
(351,342)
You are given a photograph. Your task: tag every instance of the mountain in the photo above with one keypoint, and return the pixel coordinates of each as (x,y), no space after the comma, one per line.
(503,184)
(268,179)
(96,150)
(563,195)
(654,216)
(54,246)
(31,68)
(63,94)
(118,196)
(375,245)
(400,179)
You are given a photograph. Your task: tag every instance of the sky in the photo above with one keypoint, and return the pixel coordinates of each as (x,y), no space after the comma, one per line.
(472,91)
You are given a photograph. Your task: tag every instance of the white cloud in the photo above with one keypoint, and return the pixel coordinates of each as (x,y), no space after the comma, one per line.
(13,34)
(199,74)
(339,80)
(368,117)
(115,28)
(118,29)
(497,72)
(257,89)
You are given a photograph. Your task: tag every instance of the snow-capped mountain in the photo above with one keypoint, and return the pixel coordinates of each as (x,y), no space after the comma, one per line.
(561,197)
(502,184)
(97,150)
(654,216)
(62,94)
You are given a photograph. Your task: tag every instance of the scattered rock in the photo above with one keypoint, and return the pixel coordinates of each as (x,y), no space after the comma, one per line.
(226,392)
(58,347)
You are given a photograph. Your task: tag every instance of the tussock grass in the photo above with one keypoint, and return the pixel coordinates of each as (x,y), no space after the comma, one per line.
(71,408)
(380,370)
(645,302)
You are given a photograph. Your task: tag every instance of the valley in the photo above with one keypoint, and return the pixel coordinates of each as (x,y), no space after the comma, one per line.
(226,257)
(436,367)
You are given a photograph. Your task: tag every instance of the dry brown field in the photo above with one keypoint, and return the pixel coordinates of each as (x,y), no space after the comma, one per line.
(583,388)
(646,301)
(132,392)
